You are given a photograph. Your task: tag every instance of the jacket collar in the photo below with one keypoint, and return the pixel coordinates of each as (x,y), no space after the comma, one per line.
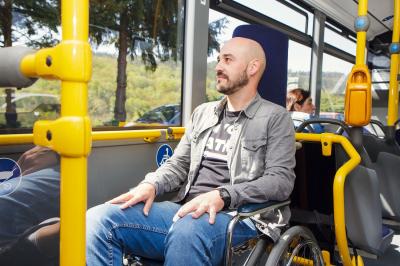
(249,111)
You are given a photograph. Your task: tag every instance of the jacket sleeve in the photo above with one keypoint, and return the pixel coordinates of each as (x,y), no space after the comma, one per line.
(172,174)
(278,177)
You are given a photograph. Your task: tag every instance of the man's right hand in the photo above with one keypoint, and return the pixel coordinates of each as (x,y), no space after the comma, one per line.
(144,192)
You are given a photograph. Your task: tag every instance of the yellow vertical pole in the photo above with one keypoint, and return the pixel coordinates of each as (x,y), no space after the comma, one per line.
(358,89)
(361,35)
(74,98)
(358,98)
(393,100)
(70,135)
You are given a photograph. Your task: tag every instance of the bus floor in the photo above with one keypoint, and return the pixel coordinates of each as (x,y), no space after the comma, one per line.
(392,255)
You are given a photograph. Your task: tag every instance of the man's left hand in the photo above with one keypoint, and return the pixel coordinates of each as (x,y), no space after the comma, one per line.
(209,202)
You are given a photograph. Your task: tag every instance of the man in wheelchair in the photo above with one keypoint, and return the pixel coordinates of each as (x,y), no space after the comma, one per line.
(236,151)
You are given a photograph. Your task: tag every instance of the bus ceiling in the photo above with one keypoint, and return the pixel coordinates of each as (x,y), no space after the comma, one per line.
(344,12)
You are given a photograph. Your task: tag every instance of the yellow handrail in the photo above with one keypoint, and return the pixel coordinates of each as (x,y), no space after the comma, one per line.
(126,134)
(175,132)
(326,140)
(16,139)
(151,134)
(393,100)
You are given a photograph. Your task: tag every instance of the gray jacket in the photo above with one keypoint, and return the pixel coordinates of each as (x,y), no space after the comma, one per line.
(261,154)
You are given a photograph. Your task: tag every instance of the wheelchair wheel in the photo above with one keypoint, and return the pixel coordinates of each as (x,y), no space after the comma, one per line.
(297,246)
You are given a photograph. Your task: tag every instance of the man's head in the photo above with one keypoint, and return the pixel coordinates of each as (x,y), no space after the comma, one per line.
(241,64)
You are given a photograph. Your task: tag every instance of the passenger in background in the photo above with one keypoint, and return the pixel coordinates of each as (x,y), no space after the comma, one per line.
(301,108)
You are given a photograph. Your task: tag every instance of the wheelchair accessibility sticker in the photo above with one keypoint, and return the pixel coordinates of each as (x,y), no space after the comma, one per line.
(164,152)
(9,171)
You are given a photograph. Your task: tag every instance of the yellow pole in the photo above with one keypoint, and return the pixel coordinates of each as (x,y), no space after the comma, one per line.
(358,89)
(70,135)
(361,35)
(393,101)
(339,200)
(74,98)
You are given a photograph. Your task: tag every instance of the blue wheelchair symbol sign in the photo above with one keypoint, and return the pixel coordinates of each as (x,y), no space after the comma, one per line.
(9,170)
(164,152)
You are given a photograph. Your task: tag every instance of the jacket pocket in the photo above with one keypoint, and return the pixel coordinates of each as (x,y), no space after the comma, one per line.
(254,144)
(253,156)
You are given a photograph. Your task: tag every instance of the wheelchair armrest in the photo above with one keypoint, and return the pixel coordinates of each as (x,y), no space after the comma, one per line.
(251,209)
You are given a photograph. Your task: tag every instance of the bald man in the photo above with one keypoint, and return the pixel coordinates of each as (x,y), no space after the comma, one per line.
(236,151)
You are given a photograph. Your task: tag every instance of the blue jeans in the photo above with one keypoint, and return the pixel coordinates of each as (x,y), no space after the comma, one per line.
(35,199)
(112,231)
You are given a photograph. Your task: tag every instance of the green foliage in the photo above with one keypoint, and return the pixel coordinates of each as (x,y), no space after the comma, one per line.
(152,27)
(145,89)
(36,21)
(214,30)
(331,102)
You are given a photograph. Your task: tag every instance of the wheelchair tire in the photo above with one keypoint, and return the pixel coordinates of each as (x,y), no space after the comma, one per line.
(296,246)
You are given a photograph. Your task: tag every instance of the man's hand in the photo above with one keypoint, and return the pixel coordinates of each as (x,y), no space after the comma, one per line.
(209,202)
(142,193)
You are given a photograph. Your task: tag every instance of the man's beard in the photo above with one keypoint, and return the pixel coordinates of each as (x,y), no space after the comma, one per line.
(233,86)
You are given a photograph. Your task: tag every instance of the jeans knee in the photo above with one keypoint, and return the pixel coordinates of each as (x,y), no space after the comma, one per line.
(189,231)
(99,219)
(105,217)
(193,240)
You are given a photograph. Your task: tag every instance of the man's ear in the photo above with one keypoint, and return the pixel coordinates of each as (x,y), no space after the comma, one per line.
(254,67)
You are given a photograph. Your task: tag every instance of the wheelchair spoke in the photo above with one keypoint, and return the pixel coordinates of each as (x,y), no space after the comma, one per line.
(296,246)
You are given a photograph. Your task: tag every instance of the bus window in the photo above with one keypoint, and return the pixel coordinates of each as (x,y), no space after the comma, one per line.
(332,37)
(137,65)
(299,65)
(131,75)
(380,93)
(286,13)
(334,77)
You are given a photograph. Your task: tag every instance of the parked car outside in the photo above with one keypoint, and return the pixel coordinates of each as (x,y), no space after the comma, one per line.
(165,115)
(27,108)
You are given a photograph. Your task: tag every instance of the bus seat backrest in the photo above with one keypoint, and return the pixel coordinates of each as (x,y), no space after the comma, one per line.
(313,185)
(387,167)
(375,145)
(273,84)
(363,209)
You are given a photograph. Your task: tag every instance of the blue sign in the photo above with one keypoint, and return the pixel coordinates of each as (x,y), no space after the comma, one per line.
(9,171)
(164,152)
